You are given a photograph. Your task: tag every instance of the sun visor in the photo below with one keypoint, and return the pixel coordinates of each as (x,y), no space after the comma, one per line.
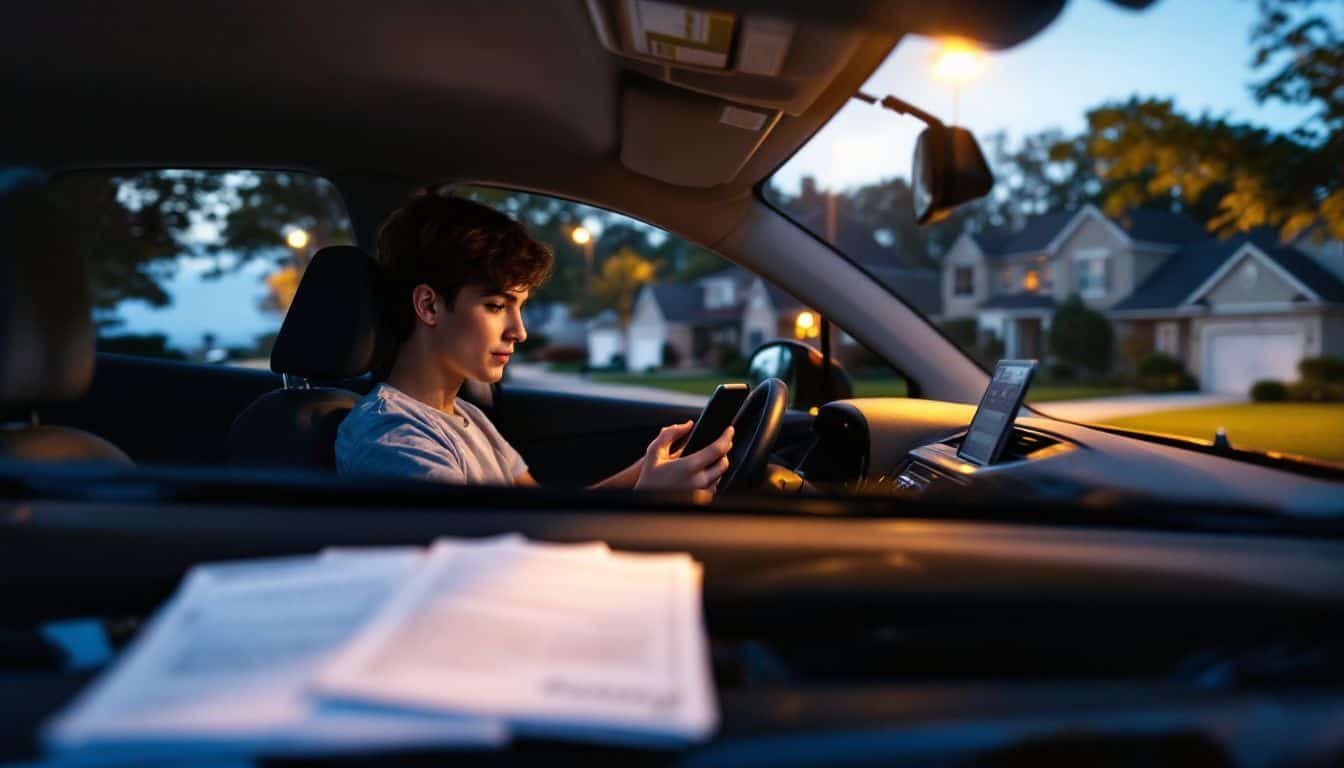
(686,138)
(751,59)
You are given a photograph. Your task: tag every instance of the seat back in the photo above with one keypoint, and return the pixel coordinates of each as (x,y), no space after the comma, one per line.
(333,331)
(46,326)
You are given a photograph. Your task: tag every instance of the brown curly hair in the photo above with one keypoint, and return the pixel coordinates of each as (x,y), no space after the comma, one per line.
(449,242)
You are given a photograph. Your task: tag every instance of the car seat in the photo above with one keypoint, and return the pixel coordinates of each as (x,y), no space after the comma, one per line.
(332,332)
(46,326)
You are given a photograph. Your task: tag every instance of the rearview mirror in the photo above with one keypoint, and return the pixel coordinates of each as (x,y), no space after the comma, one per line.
(800,367)
(949,169)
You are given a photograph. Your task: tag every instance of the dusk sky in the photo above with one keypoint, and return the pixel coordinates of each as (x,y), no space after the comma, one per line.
(1194,51)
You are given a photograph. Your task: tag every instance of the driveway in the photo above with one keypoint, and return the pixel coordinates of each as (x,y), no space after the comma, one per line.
(1102,408)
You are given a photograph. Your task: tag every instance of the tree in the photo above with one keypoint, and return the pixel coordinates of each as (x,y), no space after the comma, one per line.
(1243,175)
(618,283)
(1081,337)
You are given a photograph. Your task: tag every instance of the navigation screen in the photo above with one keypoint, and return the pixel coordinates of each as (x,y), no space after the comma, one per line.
(998,408)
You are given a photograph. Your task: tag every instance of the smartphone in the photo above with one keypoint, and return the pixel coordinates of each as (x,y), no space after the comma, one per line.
(718,415)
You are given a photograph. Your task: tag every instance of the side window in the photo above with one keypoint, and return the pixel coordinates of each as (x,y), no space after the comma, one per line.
(633,310)
(198,265)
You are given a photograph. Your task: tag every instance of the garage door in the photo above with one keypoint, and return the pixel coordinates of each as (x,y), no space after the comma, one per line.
(1236,358)
(646,351)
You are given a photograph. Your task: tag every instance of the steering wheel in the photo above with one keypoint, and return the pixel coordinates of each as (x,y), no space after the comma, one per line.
(755,430)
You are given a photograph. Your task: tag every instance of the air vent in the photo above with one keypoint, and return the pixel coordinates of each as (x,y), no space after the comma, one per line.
(1022,445)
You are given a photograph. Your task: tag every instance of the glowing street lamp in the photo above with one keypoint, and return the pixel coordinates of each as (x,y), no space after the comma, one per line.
(805,325)
(583,237)
(958,63)
(297,239)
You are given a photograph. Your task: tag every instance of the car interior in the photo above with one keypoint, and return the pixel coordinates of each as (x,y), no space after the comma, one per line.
(871,596)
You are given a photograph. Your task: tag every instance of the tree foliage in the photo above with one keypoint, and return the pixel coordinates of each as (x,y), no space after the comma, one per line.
(1241,175)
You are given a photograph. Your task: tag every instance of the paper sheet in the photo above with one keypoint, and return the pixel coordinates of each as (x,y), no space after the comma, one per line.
(226,666)
(566,640)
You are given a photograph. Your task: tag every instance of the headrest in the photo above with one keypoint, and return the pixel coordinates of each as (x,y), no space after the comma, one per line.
(334,326)
(46,324)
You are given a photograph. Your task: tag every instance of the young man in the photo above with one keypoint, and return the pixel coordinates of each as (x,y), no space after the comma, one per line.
(457,275)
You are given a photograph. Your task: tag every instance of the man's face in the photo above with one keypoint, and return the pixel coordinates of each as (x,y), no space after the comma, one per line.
(476,339)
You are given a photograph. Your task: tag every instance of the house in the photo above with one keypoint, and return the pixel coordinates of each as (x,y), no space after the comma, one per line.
(1239,310)
(685,324)
(1234,311)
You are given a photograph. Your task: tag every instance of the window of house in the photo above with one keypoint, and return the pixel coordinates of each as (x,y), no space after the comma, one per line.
(198,265)
(1167,339)
(1093,273)
(963,281)
(1047,271)
(1031,281)
(719,294)
(1006,279)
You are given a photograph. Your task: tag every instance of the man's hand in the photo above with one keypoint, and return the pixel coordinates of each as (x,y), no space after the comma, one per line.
(699,472)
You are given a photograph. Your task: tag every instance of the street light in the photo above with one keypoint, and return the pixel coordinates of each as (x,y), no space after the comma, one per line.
(958,62)
(583,238)
(297,239)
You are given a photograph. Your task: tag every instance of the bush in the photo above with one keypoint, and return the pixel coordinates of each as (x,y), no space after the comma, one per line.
(533,345)
(671,356)
(140,345)
(1062,372)
(964,332)
(1269,391)
(1081,337)
(1325,370)
(563,353)
(1316,391)
(1163,373)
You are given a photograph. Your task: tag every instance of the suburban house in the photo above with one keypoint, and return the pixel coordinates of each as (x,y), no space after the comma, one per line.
(699,322)
(693,321)
(1233,311)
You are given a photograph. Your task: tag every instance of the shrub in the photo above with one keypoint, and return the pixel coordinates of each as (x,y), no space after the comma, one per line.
(1322,369)
(140,345)
(1163,373)
(1062,372)
(533,345)
(563,353)
(671,355)
(1317,391)
(964,332)
(1081,337)
(1269,391)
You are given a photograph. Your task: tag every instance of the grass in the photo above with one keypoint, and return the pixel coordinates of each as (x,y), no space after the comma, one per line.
(703,384)
(1306,429)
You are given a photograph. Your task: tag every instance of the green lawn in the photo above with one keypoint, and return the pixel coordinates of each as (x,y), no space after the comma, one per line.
(702,384)
(1306,429)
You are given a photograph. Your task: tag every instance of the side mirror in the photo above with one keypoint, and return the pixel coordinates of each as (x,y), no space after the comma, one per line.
(799,366)
(949,169)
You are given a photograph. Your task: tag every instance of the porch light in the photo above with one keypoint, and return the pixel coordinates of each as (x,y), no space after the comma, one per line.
(581,236)
(297,239)
(1032,281)
(805,325)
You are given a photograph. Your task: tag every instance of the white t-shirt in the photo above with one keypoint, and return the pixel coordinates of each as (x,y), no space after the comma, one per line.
(390,433)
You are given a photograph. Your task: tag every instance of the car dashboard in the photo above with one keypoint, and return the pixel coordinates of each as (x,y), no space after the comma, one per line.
(908,448)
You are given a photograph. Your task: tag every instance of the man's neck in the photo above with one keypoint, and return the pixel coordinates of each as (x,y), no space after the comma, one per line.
(416,374)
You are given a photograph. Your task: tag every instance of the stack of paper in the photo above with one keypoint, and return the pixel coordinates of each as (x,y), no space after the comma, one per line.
(389,648)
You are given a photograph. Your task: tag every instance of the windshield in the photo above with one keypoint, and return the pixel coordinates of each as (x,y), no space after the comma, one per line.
(1166,230)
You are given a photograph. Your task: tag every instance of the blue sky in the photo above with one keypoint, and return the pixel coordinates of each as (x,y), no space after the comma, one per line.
(1196,52)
